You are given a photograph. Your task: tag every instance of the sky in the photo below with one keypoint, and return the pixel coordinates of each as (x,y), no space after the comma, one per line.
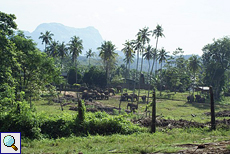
(188,24)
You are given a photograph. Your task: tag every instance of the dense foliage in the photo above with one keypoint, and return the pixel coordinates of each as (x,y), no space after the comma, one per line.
(95,77)
(37,126)
(216,62)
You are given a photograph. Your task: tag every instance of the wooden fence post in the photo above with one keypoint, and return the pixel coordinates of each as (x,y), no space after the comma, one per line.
(213,121)
(153,127)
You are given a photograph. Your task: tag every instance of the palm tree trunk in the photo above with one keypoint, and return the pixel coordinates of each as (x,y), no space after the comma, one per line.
(156,58)
(161,77)
(126,74)
(140,75)
(151,72)
(107,73)
(193,84)
(148,82)
(136,74)
(45,48)
(61,62)
(76,70)
(129,74)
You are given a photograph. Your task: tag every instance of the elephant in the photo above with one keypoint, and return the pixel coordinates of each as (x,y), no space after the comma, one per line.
(198,97)
(119,89)
(132,106)
(134,96)
(190,98)
(123,98)
(106,92)
(102,96)
(81,89)
(111,90)
(143,98)
(98,95)
(107,97)
(91,90)
(86,95)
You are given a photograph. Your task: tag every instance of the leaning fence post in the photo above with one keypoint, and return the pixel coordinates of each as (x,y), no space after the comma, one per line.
(213,121)
(153,127)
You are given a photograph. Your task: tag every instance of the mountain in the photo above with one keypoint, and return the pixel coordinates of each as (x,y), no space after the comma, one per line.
(90,36)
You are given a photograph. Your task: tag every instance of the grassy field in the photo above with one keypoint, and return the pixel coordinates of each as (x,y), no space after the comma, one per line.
(174,108)
(164,140)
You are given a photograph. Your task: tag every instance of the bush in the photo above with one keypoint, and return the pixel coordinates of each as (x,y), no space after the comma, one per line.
(34,126)
(24,122)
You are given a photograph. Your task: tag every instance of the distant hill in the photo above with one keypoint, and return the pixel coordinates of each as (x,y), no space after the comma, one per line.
(90,36)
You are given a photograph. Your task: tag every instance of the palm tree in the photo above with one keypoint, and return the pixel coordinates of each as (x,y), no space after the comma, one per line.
(158,32)
(162,57)
(108,56)
(144,38)
(89,54)
(47,37)
(62,51)
(148,55)
(52,49)
(75,48)
(129,55)
(137,47)
(194,64)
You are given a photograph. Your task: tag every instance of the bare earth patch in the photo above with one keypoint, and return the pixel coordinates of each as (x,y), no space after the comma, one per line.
(207,148)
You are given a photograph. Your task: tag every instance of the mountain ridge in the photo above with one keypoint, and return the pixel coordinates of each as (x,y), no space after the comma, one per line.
(90,36)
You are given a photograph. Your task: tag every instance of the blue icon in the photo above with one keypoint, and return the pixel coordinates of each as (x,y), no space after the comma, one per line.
(9,141)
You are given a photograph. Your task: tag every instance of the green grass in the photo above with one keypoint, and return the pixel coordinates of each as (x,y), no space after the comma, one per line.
(51,108)
(166,141)
(177,108)
(228,147)
(162,141)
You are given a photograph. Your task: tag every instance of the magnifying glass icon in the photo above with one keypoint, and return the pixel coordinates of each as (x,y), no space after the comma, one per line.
(9,141)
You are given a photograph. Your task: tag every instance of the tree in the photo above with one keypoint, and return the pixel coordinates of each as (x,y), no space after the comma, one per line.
(75,48)
(162,57)
(194,64)
(215,59)
(62,51)
(137,47)
(95,77)
(129,56)
(90,54)
(144,38)
(108,55)
(46,38)
(148,55)
(8,61)
(158,32)
(52,49)
(36,69)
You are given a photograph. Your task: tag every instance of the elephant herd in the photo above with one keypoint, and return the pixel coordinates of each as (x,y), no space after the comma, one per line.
(97,94)
(132,97)
(198,99)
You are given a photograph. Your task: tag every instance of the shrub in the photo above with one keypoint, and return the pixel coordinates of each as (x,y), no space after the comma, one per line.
(24,122)
(81,111)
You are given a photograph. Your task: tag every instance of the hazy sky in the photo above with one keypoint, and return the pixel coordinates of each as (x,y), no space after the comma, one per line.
(188,24)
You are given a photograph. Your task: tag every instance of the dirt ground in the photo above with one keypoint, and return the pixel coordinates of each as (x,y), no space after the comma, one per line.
(146,122)
(207,148)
